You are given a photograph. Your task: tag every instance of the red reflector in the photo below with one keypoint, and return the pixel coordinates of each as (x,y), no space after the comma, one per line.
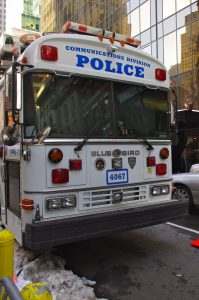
(49,53)
(75,164)
(161,169)
(150,161)
(160,74)
(60,176)
(24,60)
(83,28)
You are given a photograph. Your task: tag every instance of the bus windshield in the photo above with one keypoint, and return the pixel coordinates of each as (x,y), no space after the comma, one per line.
(72,105)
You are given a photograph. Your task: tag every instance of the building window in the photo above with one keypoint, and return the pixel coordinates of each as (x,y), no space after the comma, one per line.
(135,21)
(170,53)
(168,8)
(160,32)
(153,12)
(195,43)
(159,9)
(195,11)
(146,37)
(184,50)
(181,4)
(128,9)
(196,89)
(184,90)
(160,49)
(169,24)
(133,4)
(153,33)
(183,17)
(145,16)
(154,49)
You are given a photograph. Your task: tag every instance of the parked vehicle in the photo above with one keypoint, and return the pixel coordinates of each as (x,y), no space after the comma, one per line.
(187,187)
(87,139)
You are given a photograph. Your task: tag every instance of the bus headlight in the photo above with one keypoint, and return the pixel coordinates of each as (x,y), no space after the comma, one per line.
(155,191)
(61,202)
(160,190)
(165,190)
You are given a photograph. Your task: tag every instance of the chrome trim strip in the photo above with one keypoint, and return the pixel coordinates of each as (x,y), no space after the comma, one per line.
(98,141)
(95,188)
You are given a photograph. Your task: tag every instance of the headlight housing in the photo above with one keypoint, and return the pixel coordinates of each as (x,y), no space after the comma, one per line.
(61,202)
(160,190)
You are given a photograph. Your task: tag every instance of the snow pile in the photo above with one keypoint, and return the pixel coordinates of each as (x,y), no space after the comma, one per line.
(48,268)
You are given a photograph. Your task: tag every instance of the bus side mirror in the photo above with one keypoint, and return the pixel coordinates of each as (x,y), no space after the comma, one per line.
(41,136)
(173,109)
(16,87)
(10,135)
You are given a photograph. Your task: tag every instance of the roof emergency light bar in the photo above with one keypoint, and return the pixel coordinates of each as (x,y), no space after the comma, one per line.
(24,41)
(100,33)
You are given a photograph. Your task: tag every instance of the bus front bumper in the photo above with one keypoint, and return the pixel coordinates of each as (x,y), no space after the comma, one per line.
(57,232)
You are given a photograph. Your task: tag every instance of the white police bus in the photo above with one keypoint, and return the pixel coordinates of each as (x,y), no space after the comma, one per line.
(87,139)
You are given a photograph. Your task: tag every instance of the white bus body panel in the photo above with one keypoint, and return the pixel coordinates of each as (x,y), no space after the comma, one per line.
(75,54)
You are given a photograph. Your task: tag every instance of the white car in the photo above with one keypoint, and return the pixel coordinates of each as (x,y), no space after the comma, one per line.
(187,186)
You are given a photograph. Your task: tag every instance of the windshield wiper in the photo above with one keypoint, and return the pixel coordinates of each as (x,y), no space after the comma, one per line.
(149,146)
(82,143)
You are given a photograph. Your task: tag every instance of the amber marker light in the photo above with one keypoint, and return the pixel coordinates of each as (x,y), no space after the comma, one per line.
(164,153)
(55,155)
(27,204)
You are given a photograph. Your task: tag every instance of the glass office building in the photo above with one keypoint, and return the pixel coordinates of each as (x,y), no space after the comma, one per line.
(31,15)
(169,30)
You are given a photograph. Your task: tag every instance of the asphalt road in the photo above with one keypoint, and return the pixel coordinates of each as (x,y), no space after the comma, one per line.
(157,262)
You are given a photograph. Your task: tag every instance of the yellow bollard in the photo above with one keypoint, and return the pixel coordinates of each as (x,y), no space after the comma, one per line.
(6,253)
(36,291)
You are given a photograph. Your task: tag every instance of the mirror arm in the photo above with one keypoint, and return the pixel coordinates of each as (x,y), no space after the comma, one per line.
(174,104)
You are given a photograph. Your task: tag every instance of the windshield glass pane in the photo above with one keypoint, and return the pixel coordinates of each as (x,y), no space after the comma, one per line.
(141,112)
(71,106)
(78,107)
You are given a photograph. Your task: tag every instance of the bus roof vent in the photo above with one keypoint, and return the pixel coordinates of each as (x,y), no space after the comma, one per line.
(71,27)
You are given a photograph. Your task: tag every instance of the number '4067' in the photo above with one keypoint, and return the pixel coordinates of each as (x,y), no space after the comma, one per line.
(117,176)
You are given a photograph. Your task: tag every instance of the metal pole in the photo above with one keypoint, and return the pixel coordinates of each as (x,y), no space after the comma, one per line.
(10,289)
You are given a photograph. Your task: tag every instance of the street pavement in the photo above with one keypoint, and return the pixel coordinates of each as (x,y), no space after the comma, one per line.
(156,262)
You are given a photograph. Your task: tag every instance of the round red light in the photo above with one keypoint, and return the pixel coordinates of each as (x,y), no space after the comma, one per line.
(164,153)
(55,155)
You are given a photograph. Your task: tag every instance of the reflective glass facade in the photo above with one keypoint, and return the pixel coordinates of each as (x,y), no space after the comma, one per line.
(169,30)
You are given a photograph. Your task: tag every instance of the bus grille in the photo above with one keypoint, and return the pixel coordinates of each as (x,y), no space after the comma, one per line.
(104,198)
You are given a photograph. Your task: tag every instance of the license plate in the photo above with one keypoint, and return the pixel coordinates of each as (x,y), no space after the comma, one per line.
(117,176)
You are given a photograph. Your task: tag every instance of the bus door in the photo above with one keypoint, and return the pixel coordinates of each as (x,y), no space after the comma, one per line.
(11,177)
